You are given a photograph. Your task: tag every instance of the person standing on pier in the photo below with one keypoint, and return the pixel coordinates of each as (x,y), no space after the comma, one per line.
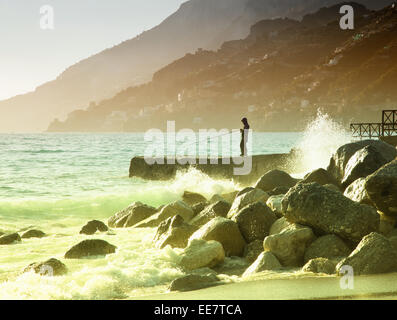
(244,137)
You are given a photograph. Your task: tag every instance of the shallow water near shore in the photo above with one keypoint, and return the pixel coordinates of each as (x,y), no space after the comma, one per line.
(58,182)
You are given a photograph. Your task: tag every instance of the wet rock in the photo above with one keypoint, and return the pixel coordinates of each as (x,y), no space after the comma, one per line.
(192,198)
(320,265)
(198,207)
(392,233)
(290,245)
(265,262)
(229,197)
(321,176)
(202,254)
(89,248)
(243,191)
(386,224)
(332,187)
(132,215)
(9,238)
(381,188)
(274,179)
(393,242)
(329,247)
(216,198)
(193,282)
(342,156)
(224,231)
(254,221)
(245,199)
(218,209)
(278,191)
(373,255)
(33,234)
(174,232)
(93,226)
(51,267)
(363,163)
(329,212)
(253,250)
(279,225)
(356,192)
(169,211)
(275,204)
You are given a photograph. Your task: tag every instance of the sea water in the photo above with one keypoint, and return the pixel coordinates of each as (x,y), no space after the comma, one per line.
(58,182)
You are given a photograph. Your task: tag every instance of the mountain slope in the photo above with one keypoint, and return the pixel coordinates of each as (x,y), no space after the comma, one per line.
(197,24)
(278,76)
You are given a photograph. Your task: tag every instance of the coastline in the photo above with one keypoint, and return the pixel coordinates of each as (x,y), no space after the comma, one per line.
(306,288)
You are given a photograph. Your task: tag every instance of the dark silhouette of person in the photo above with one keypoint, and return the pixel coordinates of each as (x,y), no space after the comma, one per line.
(244,137)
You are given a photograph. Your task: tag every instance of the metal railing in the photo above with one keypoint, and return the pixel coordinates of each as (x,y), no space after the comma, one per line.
(387,128)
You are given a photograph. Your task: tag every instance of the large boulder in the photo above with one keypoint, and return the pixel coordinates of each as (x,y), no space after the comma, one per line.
(266,261)
(356,192)
(342,156)
(253,250)
(243,191)
(33,234)
(224,231)
(321,176)
(89,248)
(197,208)
(228,197)
(194,282)
(393,242)
(374,255)
(174,232)
(245,199)
(381,188)
(363,163)
(168,211)
(386,224)
(9,238)
(254,221)
(290,245)
(392,233)
(274,179)
(329,247)
(278,191)
(51,267)
(132,215)
(93,226)
(192,198)
(329,212)
(279,225)
(275,204)
(320,265)
(201,254)
(217,209)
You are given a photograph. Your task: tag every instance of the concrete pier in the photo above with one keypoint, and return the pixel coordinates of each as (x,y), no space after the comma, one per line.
(261,164)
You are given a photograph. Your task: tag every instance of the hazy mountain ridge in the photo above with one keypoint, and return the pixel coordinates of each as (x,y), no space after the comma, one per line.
(198,23)
(279,75)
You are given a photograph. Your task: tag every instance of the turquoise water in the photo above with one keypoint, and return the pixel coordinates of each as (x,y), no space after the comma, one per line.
(62,166)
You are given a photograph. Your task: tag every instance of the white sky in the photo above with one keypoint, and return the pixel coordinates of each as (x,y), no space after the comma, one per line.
(30,56)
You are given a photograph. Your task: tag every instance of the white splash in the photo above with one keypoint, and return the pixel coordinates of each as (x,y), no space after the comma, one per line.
(322,137)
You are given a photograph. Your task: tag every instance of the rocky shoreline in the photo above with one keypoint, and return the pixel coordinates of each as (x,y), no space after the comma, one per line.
(342,216)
